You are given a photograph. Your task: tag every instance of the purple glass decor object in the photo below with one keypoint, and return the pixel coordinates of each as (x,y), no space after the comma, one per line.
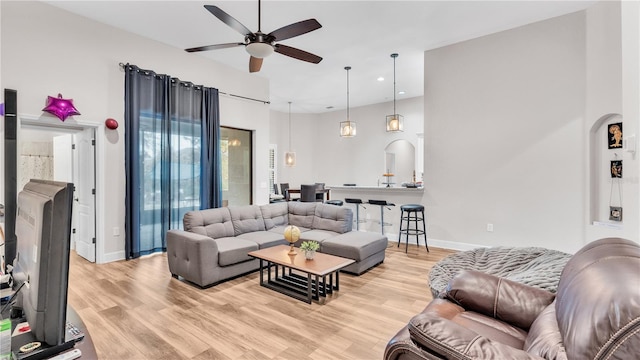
(62,108)
(2,109)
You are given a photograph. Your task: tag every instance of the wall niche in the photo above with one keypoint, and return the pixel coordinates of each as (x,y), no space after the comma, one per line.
(605,189)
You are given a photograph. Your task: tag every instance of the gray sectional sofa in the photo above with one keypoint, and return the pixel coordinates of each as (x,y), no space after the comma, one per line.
(214,244)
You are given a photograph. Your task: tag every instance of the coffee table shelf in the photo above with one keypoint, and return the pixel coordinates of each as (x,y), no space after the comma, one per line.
(284,279)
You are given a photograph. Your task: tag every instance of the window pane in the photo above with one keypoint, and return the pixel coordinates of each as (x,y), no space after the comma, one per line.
(237,165)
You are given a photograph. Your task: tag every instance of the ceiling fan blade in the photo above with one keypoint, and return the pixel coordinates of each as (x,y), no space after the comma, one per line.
(213,47)
(297,53)
(228,19)
(255,64)
(296,29)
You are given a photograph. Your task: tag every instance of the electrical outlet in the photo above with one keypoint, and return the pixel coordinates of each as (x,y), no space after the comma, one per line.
(490,227)
(116,231)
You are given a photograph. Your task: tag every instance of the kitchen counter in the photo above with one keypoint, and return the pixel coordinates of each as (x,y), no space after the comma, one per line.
(376,188)
(371,213)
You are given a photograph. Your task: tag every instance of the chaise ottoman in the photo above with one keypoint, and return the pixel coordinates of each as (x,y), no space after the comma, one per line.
(366,248)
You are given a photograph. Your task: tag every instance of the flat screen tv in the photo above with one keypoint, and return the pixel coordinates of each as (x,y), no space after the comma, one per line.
(43,230)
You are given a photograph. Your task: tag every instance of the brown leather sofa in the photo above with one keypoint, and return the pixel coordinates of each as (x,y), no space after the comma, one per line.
(594,315)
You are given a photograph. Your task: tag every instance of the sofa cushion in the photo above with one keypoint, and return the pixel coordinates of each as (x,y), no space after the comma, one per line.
(544,337)
(452,340)
(599,289)
(487,326)
(301,214)
(233,250)
(214,223)
(356,245)
(276,214)
(280,229)
(317,235)
(500,298)
(246,219)
(338,219)
(264,239)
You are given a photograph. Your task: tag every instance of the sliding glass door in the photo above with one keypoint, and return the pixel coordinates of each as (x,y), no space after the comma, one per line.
(237,164)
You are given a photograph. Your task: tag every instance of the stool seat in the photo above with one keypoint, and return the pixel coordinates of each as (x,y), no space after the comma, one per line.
(412,207)
(382,204)
(409,213)
(334,202)
(358,203)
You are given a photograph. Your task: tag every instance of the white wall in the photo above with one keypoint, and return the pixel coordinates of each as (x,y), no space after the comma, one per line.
(504,120)
(507,118)
(302,134)
(323,156)
(603,106)
(630,11)
(46,51)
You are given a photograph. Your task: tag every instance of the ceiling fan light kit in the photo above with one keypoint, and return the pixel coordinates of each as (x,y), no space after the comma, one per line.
(260,45)
(259,50)
(395,122)
(347,128)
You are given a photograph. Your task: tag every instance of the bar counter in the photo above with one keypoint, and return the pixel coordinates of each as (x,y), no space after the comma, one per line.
(370,214)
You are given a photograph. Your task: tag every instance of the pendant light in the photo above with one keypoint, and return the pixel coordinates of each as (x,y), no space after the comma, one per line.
(347,128)
(395,122)
(290,156)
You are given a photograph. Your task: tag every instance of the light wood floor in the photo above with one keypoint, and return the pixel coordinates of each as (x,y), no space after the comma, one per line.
(136,310)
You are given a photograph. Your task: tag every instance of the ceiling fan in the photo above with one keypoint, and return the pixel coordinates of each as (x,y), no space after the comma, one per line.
(260,45)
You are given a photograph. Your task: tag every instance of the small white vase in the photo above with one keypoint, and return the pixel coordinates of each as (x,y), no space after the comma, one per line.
(309,254)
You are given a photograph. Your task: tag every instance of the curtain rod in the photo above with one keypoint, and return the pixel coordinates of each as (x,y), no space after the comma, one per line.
(121,65)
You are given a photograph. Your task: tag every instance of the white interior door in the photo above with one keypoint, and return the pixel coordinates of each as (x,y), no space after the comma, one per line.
(84,200)
(63,170)
(63,158)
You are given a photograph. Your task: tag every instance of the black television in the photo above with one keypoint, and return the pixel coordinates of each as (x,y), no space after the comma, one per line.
(43,230)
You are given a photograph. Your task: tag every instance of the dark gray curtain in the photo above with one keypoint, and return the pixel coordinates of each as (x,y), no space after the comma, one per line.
(172,143)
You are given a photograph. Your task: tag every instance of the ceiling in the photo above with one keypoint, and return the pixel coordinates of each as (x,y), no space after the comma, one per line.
(360,34)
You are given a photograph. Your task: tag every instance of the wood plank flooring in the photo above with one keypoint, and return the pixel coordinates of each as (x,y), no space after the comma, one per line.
(136,310)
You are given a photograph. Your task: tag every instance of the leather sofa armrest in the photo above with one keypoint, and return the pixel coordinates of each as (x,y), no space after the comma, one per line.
(453,341)
(192,256)
(503,299)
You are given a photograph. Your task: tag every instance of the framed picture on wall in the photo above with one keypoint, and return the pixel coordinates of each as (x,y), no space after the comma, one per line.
(614,135)
(615,213)
(616,168)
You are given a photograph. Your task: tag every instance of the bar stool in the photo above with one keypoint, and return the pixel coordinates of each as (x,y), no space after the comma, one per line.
(382,204)
(358,203)
(410,209)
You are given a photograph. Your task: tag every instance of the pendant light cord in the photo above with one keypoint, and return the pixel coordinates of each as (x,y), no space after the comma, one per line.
(394,56)
(348,68)
(289,126)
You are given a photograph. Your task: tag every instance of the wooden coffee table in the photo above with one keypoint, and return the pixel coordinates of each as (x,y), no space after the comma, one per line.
(286,278)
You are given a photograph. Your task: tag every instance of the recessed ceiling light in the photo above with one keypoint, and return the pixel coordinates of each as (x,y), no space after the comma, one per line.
(401,92)
(380,78)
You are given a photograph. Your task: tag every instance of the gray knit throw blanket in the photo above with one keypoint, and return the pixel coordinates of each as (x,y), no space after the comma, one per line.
(534,266)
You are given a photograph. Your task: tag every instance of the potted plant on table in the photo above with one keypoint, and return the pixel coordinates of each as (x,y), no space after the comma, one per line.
(309,248)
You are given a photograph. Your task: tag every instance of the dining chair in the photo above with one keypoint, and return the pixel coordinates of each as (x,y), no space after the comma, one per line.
(284,189)
(308,193)
(320,196)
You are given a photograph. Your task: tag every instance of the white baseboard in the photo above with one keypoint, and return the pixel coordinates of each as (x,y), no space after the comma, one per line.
(444,244)
(454,245)
(111,257)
